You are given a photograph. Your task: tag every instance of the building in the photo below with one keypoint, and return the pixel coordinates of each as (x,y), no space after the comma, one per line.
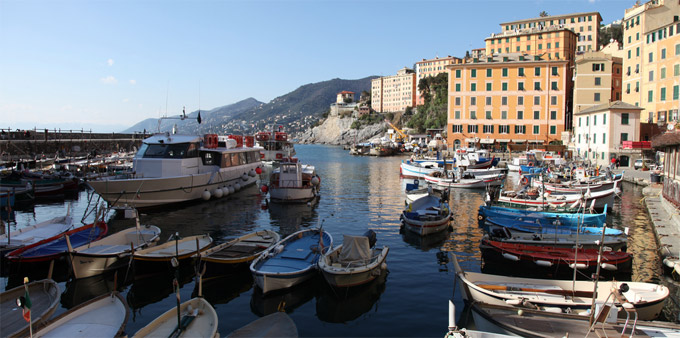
(345,96)
(506,98)
(478,53)
(597,80)
(432,67)
(651,37)
(553,42)
(610,129)
(394,93)
(585,25)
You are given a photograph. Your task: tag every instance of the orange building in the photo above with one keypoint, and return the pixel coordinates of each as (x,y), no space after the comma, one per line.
(432,67)
(585,25)
(508,98)
(553,43)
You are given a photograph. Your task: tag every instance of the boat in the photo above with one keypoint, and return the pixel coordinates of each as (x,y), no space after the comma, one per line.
(172,168)
(549,256)
(458,332)
(277,324)
(574,187)
(238,253)
(355,262)
(21,194)
(111,252)
(493,224)
(536,198)
(104,316)
(44,295)
(465,183)
(56,246)
(558,295)
(573,219)
(293,182)
(414,169)
(360,149)
(589,241)
(35,233)
(290,261)
(198,319)
(427,215)
(275,144)
(159,257)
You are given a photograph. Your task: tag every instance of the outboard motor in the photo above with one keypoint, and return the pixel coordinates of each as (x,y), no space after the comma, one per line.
(371,237)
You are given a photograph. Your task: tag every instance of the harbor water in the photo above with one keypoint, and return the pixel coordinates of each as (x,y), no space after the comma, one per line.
(357,194)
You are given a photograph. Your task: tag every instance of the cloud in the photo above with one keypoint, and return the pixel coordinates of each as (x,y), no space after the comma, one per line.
(133,82)
(126,100)
(108,80)
(109,62)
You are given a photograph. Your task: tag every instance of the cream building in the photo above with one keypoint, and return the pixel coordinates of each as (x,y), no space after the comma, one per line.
(553,43)
(394,93)
(432,67)
(597,80)
(585,25)
(651,79)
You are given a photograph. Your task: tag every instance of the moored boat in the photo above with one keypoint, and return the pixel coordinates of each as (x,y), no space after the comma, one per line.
(293,182)
(275,144)
(238,253)
(355,262)
(159,257)
(601,198)
(44,295)
(573,219)
(589,241)
(427,215)
(35,233)
(198,319)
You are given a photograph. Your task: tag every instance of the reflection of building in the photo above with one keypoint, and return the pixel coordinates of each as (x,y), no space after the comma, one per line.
(608,130)
(651,53)
(432,67)
(508,97)
(585,25)
(597,80)
(394,93)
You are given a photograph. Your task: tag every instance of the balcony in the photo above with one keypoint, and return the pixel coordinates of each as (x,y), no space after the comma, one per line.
(636,145)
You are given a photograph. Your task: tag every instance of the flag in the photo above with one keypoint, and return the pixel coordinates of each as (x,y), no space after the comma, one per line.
(199,117)
(26,306)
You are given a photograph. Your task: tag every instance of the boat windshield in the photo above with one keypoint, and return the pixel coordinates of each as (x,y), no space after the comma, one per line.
(179,150)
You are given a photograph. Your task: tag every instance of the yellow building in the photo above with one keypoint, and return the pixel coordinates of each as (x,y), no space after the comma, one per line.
(432,67)
(585,25)
(597,80)
(552,42)
(651,79)
(508,98)
(394,93)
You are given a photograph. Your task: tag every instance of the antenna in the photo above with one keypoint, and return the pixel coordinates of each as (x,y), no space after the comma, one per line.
(167,93)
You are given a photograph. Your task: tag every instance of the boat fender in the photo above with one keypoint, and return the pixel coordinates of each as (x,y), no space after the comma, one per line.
(279,248)
(205,195)
(244,177)
(225,190)
(552,309)
(669,262)
(677,268)
(316,180)
(231,189)
(383,266)
(217,193)
(237,187)
(543,263)
(511,257)
(252,173)
(578,266)
(515,302)
(264,188)
(609,267)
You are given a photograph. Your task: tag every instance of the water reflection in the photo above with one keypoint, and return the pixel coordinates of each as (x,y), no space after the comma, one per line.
(347,304)
(425,243)
(221,290)
(287,300)
(154,288)
(79,291)
(291,217)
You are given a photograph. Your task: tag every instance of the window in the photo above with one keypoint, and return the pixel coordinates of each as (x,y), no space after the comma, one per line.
(488,100)
(553,130)
(579,121)
(472,128)
(662,94)
(663,53)
(629,54)
(457,128)
(537,115)
(553,114)
(557,45)
(604,118)
(555,72)
(457,101)
(553,100)
(488,129)
(676,93)
(662,73)
(520,115)
(537,130)
(598,81)
(637,52)
(504,86)
(488,87)
(676,70)
(624,137)
(488,115)
(457,73)
(557,55)
(504,100)
(677,48)
(504,115)
(624,118)
(553,85)
(473,101)
(489,71)
(604,138)
(504,129)
(456,114)
(520,85)
(537,71)
(520,71)
(650,96)
(596,97)
(473,87)
(594,120)
(520,129)
(540,46)
(504,72)
(651,57)
(520,100)
(473,114)
(548,45)
(537,100)
(587,121)
(651,75)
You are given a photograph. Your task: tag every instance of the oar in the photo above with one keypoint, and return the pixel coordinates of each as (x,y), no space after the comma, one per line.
(584,294)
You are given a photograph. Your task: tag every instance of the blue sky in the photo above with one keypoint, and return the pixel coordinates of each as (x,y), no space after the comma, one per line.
(106,65)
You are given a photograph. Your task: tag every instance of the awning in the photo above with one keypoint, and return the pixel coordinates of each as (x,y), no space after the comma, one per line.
(519,141)
(470,140)
(486,141)
(503,140)
(535,141)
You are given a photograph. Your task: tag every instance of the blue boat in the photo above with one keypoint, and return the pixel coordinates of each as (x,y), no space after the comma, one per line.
(290,261)
(55,246)
(7,199)
(544,217)
(491,224)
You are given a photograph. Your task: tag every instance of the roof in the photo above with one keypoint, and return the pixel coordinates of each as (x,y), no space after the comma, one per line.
(511,58)
(552,17)
(609,106)
(346,92)
(171,138)
(666,139)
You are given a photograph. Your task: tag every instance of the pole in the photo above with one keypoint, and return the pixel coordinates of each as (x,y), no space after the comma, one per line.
(597,275)
(176,282)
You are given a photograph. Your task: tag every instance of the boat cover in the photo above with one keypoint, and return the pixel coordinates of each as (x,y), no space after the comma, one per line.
(355,248)
(277,324)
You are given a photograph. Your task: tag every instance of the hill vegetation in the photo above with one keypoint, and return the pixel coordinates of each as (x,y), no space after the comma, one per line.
(432,114)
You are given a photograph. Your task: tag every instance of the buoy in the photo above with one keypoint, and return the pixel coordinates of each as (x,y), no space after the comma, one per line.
(520,312)
(231,189)
(252,173)
(543,263)
(217,193)
(225,190)
(609,267)
(552,309)
(511,257)
(237,187)
(514,302)
(258,170)
(578,266)
(264,188)
(206,195)
(244,177)
(316,180)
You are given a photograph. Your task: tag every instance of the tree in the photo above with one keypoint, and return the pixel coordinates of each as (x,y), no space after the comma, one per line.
(432,114)
(543,14)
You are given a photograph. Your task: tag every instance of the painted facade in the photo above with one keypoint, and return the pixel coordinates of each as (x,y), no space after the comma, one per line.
(585,25)
(597,80)
(394,93)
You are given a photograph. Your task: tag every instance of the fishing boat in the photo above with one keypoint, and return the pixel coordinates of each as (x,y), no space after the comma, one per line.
(538,199)
(180,168)
(290,261)
(413,169)
(111,252)
(558,295)
(198,319)
(427,215)
(56,246)
(275,144)
(35,233)
(588,241)
(584,217)
(238,253)
(355,262)
(549,256)
(494,224)
(104,316)
(159,257)
(465,183)
(44,295)
(293,182)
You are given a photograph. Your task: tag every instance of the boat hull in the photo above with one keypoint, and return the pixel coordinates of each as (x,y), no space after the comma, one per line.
(204,325)
(293,195)
(45,296)
(344,277)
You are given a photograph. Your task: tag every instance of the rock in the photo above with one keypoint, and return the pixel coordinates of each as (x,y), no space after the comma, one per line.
(337,131)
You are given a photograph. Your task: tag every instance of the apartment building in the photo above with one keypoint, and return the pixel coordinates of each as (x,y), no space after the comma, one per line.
(394,93)
(651,79)
(550,42)
(432,67)
(585,25)
(505,98)
(597,80)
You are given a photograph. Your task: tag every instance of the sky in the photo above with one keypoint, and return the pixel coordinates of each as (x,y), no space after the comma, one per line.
(106,65)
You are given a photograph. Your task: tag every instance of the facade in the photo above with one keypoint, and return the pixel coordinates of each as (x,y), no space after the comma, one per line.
(669,144)
(394,93)
(345,95)
(600,132)
(585,25)
(508,98)
(478,53)
(432,67)
(651,37)
(554,42)
(597,80)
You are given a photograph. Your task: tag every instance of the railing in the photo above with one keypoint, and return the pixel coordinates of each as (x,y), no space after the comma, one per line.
(636,145)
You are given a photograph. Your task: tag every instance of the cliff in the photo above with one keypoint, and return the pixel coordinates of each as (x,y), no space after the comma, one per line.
(335,130)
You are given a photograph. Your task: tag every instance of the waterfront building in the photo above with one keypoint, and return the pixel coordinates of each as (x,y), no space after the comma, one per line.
(597,80)
(610,129)
(552,42)
(394,93)
(507,98)
(432,67)
(585,25)
(651,38)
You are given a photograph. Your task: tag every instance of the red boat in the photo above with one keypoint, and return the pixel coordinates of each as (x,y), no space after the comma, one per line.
(547,256)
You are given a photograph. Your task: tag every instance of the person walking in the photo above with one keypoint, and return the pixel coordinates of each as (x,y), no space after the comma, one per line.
(613,163)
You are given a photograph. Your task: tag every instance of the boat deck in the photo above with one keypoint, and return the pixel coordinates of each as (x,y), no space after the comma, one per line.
(295,256)
(105,249)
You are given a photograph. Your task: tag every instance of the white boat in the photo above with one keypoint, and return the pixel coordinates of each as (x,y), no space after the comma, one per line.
(104,316)
(45,296)
(110,252)
(354,262)
(179,168)
(275,145)
(293,182)
(198,319)
(558,295)
(238,253)
(290,261)
(464,183)
(427,215)
(411,169)
(35,233)
(538,199)
(159,257)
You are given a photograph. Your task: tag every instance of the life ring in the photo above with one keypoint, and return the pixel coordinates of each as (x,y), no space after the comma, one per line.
(480,217)
(531,164)
(524,181)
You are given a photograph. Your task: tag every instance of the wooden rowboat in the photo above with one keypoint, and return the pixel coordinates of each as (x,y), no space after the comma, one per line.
(238,253)
(44,296)
(158,258)
(198,319)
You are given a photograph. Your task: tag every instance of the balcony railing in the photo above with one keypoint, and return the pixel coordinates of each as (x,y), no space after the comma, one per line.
(636,145)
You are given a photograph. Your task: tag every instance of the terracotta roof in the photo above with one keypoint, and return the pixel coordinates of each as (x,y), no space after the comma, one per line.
(666,139)
(609,106)
(346,92)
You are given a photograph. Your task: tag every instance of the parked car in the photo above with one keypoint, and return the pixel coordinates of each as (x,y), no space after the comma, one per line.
(640,163)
